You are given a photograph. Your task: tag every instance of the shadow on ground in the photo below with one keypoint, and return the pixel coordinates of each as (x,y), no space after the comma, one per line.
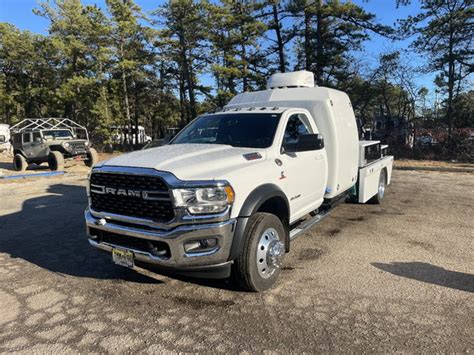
(49,231)
(31,167)
(428,273)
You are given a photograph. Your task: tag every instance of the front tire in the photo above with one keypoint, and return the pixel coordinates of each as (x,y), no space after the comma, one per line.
(92,158)
(56,161)
(19,162)
(382,186)
(259,264)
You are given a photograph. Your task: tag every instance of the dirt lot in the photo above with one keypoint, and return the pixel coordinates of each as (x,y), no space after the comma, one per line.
(396,277)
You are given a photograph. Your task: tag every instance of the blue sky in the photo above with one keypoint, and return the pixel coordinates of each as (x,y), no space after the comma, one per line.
(20,13)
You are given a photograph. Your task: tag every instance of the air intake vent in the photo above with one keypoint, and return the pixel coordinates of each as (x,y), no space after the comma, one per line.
(297,79)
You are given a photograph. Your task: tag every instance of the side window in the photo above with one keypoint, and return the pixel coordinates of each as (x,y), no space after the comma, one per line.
(27,138)
(298,124)
(17,138)
(36,135)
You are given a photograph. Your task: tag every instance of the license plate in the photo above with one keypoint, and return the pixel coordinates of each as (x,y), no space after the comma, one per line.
(123,258)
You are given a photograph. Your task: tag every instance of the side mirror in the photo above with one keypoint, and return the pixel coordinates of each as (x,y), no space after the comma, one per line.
(306,142)
(38,140)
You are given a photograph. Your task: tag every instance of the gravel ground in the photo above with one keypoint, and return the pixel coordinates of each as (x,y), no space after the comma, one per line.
(392,278)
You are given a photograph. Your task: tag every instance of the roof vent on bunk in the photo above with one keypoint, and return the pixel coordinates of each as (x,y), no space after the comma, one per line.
(297,79)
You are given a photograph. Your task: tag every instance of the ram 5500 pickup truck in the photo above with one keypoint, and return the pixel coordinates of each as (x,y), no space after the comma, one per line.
(232,191)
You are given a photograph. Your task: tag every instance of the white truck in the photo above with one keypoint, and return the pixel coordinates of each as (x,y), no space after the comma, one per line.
(231,192)
(4,138)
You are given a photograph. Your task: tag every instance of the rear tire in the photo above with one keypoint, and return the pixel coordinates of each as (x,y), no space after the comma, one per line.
(19,162)
(259,264)
(382,186)
(56,161)
(92,158)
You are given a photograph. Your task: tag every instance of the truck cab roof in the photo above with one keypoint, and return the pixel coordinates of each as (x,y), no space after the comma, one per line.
(331,111)
(255,109)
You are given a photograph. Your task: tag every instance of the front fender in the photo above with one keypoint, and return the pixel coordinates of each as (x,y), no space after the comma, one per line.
(251,205)
(259,196)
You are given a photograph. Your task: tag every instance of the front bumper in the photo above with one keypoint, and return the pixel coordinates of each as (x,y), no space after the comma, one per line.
(174,239)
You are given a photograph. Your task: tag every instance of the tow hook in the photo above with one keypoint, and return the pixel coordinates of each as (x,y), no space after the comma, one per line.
(101,222)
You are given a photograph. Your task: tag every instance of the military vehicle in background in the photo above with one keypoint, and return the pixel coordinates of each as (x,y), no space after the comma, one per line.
(51,140)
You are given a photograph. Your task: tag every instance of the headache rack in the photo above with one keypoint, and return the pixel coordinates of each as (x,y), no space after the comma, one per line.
(51,123)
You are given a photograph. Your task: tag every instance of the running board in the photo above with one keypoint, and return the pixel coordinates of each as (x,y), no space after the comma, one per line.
(307,224)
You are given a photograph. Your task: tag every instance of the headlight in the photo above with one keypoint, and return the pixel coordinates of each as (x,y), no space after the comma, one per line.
(86,143)
(66,145)
(202,200)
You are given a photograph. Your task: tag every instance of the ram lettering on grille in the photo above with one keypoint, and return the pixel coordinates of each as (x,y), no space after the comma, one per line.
(131,195)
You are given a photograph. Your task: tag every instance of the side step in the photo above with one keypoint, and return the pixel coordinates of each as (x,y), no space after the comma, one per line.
(306,224)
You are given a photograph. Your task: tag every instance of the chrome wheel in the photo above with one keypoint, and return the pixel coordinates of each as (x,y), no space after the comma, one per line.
(270,252)
(382,183)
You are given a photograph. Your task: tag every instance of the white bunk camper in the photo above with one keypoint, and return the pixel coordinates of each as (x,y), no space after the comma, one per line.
(332,112)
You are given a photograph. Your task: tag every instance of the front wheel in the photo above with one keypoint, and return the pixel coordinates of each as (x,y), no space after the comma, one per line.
(259,264)
(92,158)
(56,161)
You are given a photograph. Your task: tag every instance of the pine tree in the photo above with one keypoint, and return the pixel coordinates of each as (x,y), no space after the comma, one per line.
(183,38)
(131,55)
(329,31)
(444,33)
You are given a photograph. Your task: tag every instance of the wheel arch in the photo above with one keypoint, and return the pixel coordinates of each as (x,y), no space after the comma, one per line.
(18,151)
(387,177)
(56,148)
(265,198)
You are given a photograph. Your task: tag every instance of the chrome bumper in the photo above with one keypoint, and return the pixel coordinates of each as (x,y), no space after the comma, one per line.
(174,238)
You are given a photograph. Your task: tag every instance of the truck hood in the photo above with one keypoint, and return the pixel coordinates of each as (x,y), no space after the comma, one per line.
(189,161)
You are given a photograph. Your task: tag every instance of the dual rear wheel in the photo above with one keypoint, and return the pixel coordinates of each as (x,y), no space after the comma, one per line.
(382,186)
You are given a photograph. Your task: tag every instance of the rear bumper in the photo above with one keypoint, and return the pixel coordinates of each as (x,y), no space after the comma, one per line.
(177,259)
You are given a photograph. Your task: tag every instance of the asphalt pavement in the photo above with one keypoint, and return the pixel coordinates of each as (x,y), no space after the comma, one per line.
(398,277)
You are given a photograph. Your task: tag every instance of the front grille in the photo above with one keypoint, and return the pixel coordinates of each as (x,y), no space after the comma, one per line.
(78,146)
(133,206)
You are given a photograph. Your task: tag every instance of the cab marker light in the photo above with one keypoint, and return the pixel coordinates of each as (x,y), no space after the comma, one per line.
(252,156)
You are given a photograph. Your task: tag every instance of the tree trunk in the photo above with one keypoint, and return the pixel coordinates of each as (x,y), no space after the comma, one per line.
(244,68)
(136,114)
(307,40)
(281,47)
(451,78)
(182,99)
(188,77)
(125,94)
(319,44)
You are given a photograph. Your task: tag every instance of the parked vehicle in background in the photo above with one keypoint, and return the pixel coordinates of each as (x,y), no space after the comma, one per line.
(234,189)
(425,139)
(123,135)
(52,141)
(4,138)
(154,144)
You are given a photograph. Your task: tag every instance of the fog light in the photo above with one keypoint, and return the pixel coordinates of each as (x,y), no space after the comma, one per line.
(200,245)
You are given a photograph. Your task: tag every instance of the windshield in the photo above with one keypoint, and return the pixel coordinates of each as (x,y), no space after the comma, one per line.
(249,130)
(61,134)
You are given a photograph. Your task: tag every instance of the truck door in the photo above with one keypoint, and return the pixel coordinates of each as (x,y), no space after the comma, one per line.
(305,173)
(37,146)
(26,146)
